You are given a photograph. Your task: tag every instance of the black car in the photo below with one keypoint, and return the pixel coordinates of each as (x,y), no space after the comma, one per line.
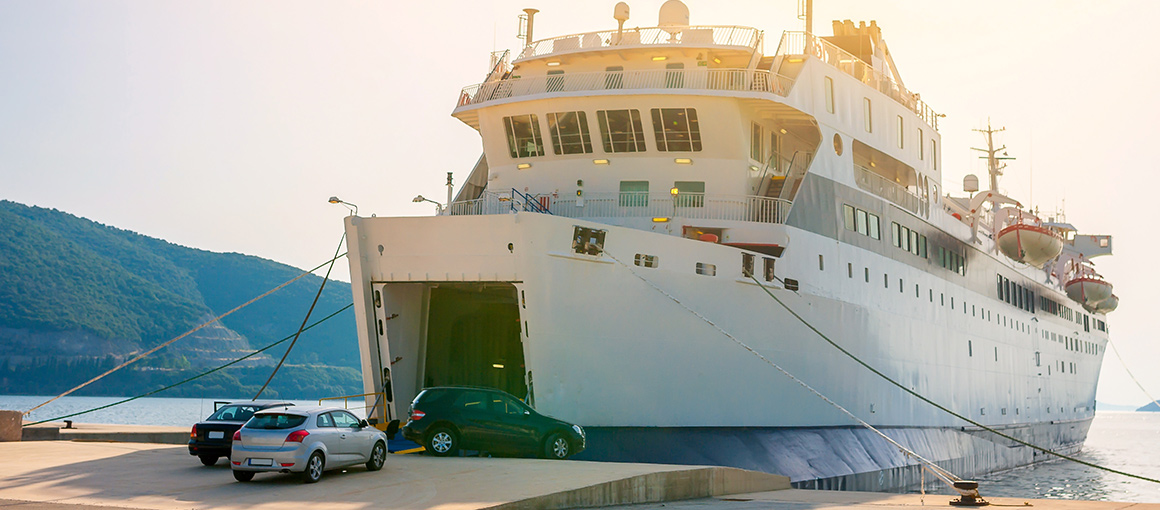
(212,439)
(447,419)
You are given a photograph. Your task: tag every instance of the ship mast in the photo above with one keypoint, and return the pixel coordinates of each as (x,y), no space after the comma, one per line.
(994,167)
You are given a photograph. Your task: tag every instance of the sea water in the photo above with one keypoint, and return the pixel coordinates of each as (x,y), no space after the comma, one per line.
(1126,441)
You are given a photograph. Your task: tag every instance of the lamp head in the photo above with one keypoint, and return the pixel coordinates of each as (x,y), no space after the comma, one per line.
(335,200)
(418,198)
(674,191)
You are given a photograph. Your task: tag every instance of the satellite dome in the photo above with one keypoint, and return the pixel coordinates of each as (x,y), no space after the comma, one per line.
(674,15)
(970,183)
(620,12)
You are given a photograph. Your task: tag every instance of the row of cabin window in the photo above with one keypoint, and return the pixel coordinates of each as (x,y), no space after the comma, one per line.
(862,222)
(1014,294)
(868,124)
(674,129)
(1051,306)
(953,261)
(908,239)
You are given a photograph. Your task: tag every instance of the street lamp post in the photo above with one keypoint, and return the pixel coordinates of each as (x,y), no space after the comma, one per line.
(438,206)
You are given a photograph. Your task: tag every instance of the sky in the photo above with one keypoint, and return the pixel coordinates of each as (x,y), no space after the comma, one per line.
(226,125)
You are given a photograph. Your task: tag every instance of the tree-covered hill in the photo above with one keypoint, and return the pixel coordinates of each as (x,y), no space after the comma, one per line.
(76,295)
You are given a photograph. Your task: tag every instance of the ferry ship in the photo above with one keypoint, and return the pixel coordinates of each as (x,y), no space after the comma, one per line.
(643,190)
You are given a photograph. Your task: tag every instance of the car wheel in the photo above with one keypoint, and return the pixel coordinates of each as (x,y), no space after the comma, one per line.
(378,457)
(314,467)
(243,476)
(208,460)
(557,447)
(442,442)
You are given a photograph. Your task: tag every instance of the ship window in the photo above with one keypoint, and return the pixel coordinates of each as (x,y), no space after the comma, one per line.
(747,264)
(895,234)
(867,271)
(866,122)
(900,132)
(914,242)
(933,155)
(920,154)
(570,133)
(676,129)
(860,222)
(829,94)
(614,77)
(706,269)
(848,216)
(633,193)
(757,143)
(873,224)
(643,260)
(523,134)
(621,130)
(821,263)
(849,270)
(768,269)
(690,193)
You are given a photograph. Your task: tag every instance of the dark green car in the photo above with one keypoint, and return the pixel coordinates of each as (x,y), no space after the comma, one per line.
(452,418)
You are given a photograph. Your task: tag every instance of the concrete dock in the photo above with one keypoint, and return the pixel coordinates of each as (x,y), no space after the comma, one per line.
(95,471)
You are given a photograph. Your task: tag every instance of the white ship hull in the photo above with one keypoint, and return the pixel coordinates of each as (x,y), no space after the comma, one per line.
(608,351)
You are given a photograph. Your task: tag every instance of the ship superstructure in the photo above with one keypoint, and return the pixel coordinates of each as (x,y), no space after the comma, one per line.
(687,157)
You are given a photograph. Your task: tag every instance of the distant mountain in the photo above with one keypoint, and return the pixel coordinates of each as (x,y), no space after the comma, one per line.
(77,297)
(1103,406)
(1152,407)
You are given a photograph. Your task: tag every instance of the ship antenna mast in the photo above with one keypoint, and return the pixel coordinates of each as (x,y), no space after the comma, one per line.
(994,167)
(806,12)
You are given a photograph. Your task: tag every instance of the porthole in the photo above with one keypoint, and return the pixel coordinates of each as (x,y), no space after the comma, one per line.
(837,144)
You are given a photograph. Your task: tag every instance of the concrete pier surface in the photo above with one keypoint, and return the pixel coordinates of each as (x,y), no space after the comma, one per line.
(87,475)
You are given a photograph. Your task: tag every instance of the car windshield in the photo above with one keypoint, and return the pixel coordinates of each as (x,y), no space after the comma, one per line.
(275,421)
(234,413)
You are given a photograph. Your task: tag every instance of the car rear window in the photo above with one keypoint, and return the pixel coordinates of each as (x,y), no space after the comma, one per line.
(233,413)
(275,421)
(428,396)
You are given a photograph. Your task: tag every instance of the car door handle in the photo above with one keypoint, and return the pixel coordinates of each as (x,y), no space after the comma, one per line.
(344,436)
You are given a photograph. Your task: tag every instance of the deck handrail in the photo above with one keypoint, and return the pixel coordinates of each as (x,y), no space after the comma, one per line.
(749,80)
(802,43)
(890,190)
(703,36)
(638,205)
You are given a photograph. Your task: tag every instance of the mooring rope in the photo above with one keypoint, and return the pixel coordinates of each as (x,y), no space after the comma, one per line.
(183,335)
(203,374)
(937,405)
(304,319)
(1125,365)
(938,471)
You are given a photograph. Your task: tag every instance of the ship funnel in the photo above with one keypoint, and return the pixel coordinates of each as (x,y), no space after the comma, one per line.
(971,183)
(674,16)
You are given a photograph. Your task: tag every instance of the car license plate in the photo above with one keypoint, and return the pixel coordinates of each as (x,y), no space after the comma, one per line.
(215,435)
(261,462)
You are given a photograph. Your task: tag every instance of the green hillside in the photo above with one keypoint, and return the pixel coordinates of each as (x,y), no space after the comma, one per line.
(76,295)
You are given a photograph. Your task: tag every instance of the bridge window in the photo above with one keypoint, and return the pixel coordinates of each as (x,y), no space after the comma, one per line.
(676,129)
(690,193)
(569,133)
(756,147)
(621,130)
(633,193)
(523,134)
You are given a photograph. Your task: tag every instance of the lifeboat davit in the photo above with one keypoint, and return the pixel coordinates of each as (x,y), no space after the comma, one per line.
(1030,244)
(1088,291)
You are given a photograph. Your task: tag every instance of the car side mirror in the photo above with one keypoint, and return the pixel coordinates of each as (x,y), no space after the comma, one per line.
(527,413)
(362,424)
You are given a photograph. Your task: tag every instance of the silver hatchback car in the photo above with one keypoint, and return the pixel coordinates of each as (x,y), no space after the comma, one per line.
(305,440)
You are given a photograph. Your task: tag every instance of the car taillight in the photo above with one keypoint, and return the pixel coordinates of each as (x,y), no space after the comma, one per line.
(238,435)
(417,415)
(297,436)
(193,432)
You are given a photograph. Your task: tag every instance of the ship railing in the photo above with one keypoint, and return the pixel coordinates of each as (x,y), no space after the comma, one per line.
(749,80)
(870,181)
(706,36)
(633,204)
(801,43)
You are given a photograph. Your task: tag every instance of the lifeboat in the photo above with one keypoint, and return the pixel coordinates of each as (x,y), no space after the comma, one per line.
(1106,306)
(1030,244)
(1088,290)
